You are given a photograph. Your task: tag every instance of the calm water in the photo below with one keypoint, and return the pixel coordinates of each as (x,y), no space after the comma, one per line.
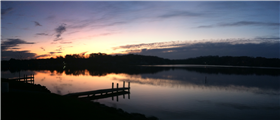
(177,93)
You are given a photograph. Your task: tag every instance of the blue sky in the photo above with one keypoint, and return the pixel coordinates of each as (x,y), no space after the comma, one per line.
(174,30)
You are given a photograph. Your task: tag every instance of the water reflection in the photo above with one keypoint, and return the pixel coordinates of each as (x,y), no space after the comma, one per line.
(257,88)
(113,95)
(153,70)
(259,81)
(177,93)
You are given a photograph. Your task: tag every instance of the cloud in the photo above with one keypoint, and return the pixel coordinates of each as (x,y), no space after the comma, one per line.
(37,23)
(246,23)
(65,42)
(13,43)
(42,34)
(43,48)
(205,26)
(175,44)
(8,47)
(152,45)
(42,56)
(14,48)
(107,14)
(187,49)
(59,49)
(59,30)
(52,53)
(179,14)
(104,34)
(269,38)
(6,11)
(95,24)
(269,50)
(242,23)
(57,39)
(50,17)
(6,55)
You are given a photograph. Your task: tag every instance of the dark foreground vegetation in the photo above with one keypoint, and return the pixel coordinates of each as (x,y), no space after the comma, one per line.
(35,102)
(103,60)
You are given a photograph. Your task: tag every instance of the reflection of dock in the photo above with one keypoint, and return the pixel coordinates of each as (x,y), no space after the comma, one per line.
(103,93)
(25,79)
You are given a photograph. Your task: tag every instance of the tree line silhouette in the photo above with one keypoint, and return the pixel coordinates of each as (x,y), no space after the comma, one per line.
(102,60)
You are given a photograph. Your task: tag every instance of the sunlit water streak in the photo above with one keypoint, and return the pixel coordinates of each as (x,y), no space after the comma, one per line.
(175,94)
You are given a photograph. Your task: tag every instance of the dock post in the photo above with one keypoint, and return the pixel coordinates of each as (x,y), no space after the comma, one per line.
(128,87)
(112,87)
(117,87)
(24,78)
(123,84)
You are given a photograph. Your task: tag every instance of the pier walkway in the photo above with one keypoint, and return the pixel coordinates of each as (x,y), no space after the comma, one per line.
(103,93)
(25,79)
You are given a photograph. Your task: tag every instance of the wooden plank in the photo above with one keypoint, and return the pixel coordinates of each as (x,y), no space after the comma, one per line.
(97,91)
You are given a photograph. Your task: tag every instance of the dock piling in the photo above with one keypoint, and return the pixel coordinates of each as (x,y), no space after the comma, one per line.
(117,87)
(123,84)
(25,78)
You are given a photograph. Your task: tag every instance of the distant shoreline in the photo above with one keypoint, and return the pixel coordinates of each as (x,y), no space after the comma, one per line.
(197,65)
(103,60)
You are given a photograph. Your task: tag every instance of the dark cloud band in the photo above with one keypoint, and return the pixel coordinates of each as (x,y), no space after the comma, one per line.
(229,47)
(242,23)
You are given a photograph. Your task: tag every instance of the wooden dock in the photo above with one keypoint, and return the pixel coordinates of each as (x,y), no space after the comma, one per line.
(25,79)
(103,93)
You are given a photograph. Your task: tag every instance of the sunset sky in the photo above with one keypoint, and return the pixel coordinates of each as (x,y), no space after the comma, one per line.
(174,30)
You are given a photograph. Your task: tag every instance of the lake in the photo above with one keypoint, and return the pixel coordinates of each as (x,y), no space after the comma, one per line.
(176,92)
